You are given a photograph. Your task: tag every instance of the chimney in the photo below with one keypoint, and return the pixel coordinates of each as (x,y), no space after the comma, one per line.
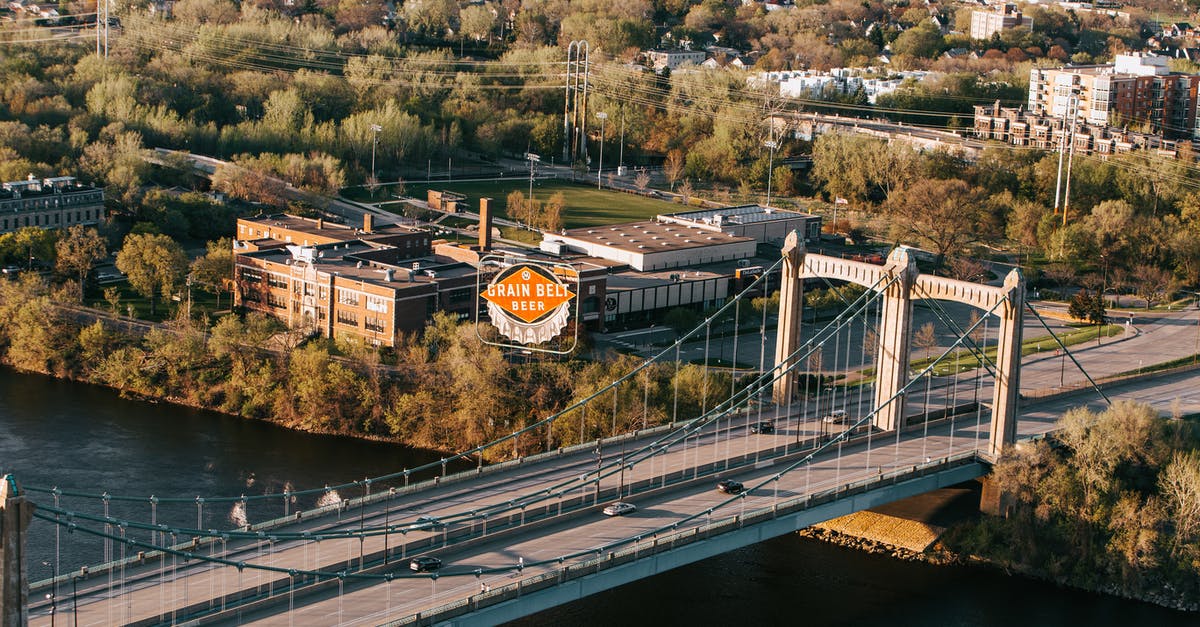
(320,223)
(387,275)
(367,218)
(485,224)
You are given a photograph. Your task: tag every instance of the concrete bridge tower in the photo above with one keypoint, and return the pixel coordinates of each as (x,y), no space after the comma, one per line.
(901,282)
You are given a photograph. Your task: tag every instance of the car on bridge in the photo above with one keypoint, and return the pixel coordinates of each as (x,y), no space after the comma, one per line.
(836,417)
(620,508)
(424,564)
(423,523)
(729,486)
(765,426)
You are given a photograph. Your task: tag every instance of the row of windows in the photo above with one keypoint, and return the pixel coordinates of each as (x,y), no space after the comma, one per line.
(347,297)
(277,280)
(45,219)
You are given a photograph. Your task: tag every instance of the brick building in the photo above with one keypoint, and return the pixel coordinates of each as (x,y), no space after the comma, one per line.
(52,203)
(1136,91)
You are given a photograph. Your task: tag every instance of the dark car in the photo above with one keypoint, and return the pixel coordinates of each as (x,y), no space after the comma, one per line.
(423,523)
(730,486)
(762,427)
(424,564)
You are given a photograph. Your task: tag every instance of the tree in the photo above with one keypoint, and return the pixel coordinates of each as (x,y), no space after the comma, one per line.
(1153,283)
(155,264)
(945,215)
(477,22)
(925,338)
(79,251)
(215,268)
(673,166)
(642,181)
(1088,307)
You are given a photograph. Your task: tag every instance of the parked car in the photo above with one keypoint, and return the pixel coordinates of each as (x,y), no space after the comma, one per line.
(730,486)
(424,564)
(10,271)
(765,426)
(620,508)
(836,417)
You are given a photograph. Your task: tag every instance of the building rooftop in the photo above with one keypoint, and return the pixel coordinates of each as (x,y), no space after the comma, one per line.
(743,214)
(326,228)
(361,261)
(650,237)
(36,188)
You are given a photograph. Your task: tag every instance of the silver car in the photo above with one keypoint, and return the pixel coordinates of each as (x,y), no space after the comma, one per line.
(620,508)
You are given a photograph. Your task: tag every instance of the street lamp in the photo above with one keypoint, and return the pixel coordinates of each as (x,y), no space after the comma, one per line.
(532,158)
(600,165)
(50,596)
(771,145)
(375,128)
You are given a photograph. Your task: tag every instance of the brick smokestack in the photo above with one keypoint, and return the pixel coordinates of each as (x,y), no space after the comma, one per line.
(485,224)
(367,222)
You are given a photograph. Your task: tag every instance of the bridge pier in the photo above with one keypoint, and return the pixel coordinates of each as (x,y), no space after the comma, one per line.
(1008,365)
(791,313)
(15,514)
(895,337)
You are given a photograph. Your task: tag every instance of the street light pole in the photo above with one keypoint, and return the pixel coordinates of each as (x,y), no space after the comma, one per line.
(375,128)
(600,165)
(771,145)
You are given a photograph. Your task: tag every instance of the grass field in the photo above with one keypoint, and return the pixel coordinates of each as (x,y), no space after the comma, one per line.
(586,205)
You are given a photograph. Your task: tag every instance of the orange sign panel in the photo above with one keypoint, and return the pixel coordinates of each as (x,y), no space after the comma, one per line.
(528,294)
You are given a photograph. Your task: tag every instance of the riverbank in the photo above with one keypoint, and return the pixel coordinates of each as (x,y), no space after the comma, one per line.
(910,537)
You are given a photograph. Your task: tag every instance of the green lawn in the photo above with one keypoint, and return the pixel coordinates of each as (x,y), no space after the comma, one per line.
(586,205)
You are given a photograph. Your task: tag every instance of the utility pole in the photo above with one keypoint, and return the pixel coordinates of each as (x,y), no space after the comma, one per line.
(375,128)
(576,89)
(600,163)
(1073,109)
(772,145)
(621,148)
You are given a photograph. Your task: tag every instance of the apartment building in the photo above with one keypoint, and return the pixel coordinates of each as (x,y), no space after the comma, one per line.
(1137,92)
(52,203)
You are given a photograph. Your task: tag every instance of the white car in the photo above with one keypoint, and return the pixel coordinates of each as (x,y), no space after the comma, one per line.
(836,417)
(620,508)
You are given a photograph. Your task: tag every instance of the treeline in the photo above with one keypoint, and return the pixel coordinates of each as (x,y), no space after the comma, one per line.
(1132,221)
(447,390)
(1111,503)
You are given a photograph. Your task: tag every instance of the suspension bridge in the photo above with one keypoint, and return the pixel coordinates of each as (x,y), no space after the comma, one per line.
(527,534)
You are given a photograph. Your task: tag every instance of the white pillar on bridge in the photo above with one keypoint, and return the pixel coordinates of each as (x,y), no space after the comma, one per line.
(791,312)
(895,333)
(1008,365)
(15,514)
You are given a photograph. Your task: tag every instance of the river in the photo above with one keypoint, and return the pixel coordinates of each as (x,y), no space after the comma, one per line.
(87,438)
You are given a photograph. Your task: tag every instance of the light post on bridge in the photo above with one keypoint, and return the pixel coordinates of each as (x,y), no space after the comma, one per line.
(52,596)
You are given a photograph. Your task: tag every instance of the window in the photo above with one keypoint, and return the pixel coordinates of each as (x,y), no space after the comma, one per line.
(347,317)
(323,293)
(249,274)
(276,280)
(374,324)
(377,303)
(347,297)
(276,301)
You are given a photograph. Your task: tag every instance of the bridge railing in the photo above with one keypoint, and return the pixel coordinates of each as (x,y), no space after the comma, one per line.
(630,550)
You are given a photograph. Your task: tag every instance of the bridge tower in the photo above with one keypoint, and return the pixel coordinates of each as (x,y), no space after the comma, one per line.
(901,282)
(15,514)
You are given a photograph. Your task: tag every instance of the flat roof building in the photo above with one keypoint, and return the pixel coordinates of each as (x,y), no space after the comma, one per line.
(50,203)
(766,225)
(651,245)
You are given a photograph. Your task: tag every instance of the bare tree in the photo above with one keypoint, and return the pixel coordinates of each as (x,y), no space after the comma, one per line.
(967,269)
(925,338)
(685,191)
(673,166)
(642,181)
(1153,284)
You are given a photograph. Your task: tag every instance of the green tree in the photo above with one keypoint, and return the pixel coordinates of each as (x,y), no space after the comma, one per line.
(214,269)
(155,264)
(79,251)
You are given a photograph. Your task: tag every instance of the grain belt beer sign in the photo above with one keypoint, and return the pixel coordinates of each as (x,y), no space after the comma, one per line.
(530,303)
